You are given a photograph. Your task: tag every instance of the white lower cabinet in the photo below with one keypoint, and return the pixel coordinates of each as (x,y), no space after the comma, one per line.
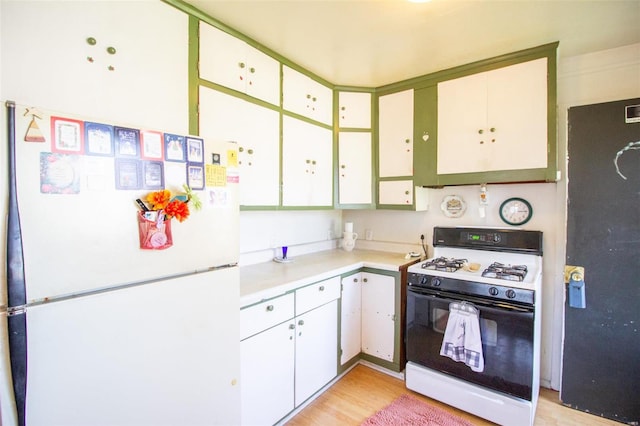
(350,317)
(282,365)
(266,378)
(316,350)
(368,320)
(378,315)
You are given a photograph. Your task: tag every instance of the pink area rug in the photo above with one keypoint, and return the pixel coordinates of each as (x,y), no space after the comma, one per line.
(407,410)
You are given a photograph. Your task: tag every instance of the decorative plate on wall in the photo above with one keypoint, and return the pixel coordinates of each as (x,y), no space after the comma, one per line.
(453,206)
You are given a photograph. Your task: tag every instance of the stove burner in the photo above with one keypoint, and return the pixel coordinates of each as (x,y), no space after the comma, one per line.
(505,272)
(444,264)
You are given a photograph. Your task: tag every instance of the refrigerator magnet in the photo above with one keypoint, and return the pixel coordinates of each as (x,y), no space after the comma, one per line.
(59,173)
(128,174)
(98,139)
(127,142)
(174,148)
(195,176)
(67,135)
(153,174)
(152,145)
(195,148)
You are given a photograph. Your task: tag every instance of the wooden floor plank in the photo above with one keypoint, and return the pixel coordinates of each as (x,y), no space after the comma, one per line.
(363,391)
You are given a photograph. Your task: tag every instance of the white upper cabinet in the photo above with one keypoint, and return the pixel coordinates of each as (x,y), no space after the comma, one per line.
(354,110)
(395,129)
(305,96)
(230,62)
(224,118)
(307,164)
(355,176)
(494,120)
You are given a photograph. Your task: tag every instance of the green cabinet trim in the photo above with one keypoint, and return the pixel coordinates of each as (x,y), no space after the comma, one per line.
(546,50)
(201,16)
(425,137)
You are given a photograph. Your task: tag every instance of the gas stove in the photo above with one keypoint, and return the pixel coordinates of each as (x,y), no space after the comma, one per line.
(482,265)
(497,275)
(498,257)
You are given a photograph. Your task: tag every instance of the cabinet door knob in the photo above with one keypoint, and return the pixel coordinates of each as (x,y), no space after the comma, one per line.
(241,64)
(241,149)
(355,280)
(343,166)
(364,280)
(292,326)
(252,70)
(406,192)
(321,288)
(300,322)
(250,151)
(269,308)
(407,140)
(493,129)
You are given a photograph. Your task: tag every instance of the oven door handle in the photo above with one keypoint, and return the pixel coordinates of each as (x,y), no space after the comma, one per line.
(453,297)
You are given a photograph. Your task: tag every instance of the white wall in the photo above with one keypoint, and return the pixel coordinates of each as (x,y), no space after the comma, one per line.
(263,233)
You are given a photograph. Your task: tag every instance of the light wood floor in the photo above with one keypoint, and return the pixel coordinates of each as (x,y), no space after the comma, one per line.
(363,391)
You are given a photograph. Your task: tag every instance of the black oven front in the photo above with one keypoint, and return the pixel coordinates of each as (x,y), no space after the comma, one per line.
(507,334)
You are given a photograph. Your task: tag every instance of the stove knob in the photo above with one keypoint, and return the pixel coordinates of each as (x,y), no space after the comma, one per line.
(493,291)
(435,282)
(424,280)
(511,294)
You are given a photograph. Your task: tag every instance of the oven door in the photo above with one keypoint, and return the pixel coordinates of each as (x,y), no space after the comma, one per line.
(507,340)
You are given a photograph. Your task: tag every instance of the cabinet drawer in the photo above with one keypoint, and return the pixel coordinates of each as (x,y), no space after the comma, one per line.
(317,294)
(264,315)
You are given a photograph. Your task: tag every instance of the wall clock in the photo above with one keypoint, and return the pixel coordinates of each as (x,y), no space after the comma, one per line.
(516,211)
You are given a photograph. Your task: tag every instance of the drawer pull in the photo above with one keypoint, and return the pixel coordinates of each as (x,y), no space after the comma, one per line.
(321,288)
(269,308)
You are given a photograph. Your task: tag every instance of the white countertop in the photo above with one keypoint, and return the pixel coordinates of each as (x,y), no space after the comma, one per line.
(270,279)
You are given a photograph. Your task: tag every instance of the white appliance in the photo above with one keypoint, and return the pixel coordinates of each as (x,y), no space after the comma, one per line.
(102,332)
(496,275)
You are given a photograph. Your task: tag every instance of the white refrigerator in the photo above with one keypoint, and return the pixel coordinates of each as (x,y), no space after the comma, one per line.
(101,328)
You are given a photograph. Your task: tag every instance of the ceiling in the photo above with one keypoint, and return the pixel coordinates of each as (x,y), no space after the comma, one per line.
(371,43)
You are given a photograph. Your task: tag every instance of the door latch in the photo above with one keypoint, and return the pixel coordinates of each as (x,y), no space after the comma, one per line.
(574,277)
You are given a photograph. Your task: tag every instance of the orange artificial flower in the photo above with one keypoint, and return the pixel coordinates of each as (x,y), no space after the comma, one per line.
(159,199)
(178,209)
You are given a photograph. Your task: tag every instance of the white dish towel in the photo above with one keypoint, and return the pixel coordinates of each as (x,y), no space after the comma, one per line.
(462,341)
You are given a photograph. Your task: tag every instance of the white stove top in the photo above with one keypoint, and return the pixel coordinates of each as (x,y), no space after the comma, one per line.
(532,281)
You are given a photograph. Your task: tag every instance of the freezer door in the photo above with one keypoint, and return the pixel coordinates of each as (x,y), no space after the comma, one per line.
(166,353)
(79,242)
